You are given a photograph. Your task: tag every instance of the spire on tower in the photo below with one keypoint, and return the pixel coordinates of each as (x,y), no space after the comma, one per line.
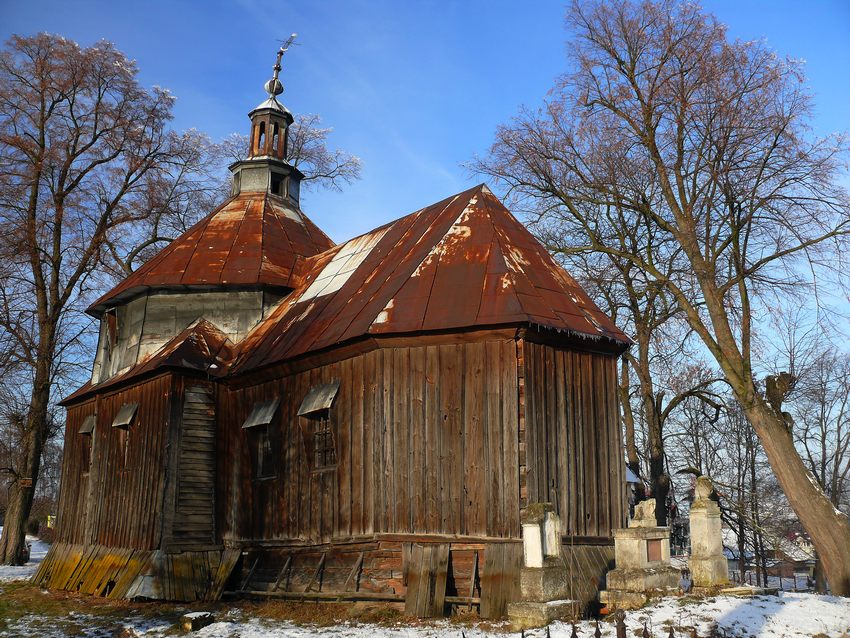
(274,87)
(266,168)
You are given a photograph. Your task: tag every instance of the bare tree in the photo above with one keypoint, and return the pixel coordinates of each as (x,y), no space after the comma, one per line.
(821,413)
(79,140)
(666,124)
(650,375)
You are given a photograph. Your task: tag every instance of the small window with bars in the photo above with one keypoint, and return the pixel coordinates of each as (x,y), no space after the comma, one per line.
(317,425)
(324,446)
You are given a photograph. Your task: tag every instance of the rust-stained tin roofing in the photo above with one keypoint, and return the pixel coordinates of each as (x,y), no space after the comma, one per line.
(252,240)
(463,262)
(200,347)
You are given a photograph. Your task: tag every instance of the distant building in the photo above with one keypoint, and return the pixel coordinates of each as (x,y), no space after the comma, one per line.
(269,411)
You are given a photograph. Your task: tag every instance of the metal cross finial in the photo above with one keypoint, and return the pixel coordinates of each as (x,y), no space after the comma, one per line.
(274,87)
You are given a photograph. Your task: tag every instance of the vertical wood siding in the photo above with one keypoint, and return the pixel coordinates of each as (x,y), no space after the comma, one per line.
(75,475)
(575,457)
(194,491)
(114,504)
(426,438)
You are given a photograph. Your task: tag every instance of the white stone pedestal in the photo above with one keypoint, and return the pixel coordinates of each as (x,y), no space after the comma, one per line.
(544,582)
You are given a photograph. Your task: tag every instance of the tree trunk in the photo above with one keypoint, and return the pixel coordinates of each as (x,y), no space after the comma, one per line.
(13,540)
(742,544)
(827,527)
(632,458)
(820,577)
(659,481)
(658,476)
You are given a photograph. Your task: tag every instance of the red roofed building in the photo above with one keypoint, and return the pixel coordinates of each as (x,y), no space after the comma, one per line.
(272,414)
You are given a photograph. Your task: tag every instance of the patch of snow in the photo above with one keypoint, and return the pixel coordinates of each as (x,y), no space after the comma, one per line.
(38,551)
(197,614)
(788,615)
(784,616)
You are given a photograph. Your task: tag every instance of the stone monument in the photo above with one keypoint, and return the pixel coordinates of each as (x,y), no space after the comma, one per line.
(544,582)
(642,559)
(707,563)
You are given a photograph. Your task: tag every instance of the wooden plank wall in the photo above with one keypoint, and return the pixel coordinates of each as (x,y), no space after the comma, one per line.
(116,504)
(194,510)
(574,444)
(75,475)
(426,440)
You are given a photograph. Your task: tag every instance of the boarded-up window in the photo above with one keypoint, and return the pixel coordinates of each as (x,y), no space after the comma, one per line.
(258,426)
(123,420)
(319,437)
(264,459)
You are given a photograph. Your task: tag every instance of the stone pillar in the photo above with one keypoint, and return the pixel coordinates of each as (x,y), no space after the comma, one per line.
(708,564)
(642,559)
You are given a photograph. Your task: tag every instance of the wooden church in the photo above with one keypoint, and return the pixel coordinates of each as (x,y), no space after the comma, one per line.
(271,414)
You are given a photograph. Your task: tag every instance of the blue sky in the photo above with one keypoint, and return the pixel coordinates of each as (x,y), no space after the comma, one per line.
(413,88)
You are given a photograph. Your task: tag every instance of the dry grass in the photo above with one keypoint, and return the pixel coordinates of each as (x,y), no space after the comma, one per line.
(71,613)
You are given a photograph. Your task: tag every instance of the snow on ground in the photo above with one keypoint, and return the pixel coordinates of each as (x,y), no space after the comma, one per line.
(37,553)
(788,615)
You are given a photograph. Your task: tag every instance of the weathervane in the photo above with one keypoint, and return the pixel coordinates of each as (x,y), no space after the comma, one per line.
(274,87)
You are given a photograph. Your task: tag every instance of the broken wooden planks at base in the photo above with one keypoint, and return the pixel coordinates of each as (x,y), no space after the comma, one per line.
(500,580)
(426,580)
(115,572)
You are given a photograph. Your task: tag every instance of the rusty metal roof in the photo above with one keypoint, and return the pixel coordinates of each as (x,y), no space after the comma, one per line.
(252,240)
(200,347)
(463,262)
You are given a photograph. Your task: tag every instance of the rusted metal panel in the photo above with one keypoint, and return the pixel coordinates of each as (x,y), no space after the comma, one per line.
(249,241)
(463,262)
(199,347)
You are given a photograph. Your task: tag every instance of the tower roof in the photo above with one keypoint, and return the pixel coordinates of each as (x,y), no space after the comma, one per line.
(253,240)
(464,262)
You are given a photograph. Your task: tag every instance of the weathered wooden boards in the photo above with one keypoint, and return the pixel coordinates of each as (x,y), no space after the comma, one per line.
(587,565)
(500,578)
(572,431)
(426,438)
(129,573)
(194,515)
(120,502)
(426,580)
